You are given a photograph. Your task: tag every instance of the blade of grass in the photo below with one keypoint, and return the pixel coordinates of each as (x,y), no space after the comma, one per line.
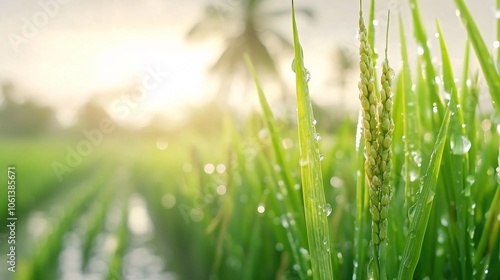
(371,31)
(456,163)
(410,127)
(423,205)
(286,203)
(312,185)
(430,72)
(276,138)
(483,55)
(469,101)
(489,236)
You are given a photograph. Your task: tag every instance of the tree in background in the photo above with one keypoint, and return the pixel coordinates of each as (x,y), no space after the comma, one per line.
(244,26)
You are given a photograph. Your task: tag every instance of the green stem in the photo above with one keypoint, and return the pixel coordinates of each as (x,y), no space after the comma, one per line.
(486,237)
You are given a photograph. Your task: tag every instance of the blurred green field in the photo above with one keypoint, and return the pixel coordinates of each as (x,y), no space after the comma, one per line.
(196,203)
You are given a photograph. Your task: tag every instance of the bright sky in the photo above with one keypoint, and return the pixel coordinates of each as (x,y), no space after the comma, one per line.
(62,51)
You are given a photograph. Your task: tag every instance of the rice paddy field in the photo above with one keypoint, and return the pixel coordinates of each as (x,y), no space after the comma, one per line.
(406,189)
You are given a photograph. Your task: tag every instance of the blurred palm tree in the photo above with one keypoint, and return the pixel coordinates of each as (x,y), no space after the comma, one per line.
(345,64)
(244,25)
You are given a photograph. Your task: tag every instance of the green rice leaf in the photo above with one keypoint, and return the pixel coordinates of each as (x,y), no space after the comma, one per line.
(423,205)
(489,237)
(429,71)
(312,185)
(291,197)
(410,126)
(276,139)
(457,163)
(483,55)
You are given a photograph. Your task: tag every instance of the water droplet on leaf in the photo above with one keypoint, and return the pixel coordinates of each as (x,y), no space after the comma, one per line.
(459,144)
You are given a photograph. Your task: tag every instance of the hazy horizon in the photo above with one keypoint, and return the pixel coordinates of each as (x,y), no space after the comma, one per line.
(79,48)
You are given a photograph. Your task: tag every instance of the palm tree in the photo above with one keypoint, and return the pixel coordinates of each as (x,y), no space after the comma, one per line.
(346,62)
(244,26)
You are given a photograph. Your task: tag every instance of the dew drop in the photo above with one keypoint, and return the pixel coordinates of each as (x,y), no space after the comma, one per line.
(168,201)
(327,209)
(279,247)
(314,122)
(293,65)
(336,182)
(221,168)
(304,162)
(413,175)
(305,253)
(416,157)
(261,209)
(209,168)
(441,236)
(317,136)
(447,96)
(321,157)
(466,191)
(420,50)
(308,75)
(471,231)
(411,212)
(472,208)
(412,234)
(221,190)
(287,143)
(284,223)
(459,144)
(430,198)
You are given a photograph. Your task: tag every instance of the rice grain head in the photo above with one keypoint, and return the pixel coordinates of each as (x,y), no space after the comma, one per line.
(369,103)
(385,131)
